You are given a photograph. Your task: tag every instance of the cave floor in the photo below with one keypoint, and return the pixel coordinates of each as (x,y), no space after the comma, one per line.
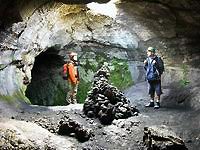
(122,133)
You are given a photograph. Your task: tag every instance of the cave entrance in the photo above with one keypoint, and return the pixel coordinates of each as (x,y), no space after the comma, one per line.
(47,86)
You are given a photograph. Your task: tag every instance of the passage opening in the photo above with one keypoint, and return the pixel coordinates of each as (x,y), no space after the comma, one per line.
(47,86)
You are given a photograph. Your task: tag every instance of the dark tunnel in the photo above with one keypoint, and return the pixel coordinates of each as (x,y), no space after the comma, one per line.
(47,86)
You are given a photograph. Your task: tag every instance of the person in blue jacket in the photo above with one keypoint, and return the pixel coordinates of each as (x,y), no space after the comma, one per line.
(154,67)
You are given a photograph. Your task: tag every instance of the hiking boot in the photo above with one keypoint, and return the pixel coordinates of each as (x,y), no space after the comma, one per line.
(151,104)
(68,100)
(74,101)
(157,105)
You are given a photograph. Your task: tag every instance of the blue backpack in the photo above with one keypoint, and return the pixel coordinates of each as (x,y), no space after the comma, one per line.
(154,71)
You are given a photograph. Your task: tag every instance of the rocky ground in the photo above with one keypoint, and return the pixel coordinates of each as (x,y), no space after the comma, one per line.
(181,119)
(36,127)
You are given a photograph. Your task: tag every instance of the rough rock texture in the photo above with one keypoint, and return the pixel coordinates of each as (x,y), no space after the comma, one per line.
(70,127)
(188,97)
(173,35)
(156,138)
(26,135)
(105,101)
(121,134)
(9,140)
(30,28)
(62,124)
(59,26)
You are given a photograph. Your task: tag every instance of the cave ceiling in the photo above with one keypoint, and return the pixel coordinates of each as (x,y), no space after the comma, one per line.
(9,9)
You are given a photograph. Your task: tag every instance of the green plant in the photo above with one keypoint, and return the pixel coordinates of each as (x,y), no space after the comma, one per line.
(18,95)
(120,75)
(89,66)
(85,85)
(60,96)
(184,81)
(83,88)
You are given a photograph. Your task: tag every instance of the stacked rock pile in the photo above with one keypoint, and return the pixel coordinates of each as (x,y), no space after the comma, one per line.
(105,101)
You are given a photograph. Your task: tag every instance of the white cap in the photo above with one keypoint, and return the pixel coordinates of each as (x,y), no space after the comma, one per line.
(74,55)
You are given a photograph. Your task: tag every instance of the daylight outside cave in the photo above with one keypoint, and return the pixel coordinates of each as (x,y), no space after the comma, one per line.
(35,38)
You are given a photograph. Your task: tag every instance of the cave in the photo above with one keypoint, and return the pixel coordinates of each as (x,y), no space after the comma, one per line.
(47,86)
(35,38)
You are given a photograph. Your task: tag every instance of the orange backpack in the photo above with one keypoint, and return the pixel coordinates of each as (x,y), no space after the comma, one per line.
(65,71)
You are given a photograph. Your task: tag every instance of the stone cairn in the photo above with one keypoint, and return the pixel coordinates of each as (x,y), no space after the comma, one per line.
(105,101)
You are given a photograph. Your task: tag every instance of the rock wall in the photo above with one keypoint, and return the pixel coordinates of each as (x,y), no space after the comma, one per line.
(62,27)
(173,28)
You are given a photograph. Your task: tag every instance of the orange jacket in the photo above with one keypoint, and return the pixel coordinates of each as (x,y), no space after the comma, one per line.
(73,73)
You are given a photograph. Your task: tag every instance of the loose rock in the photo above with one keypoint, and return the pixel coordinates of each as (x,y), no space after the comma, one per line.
(162,139)
(105,101)
(69,127)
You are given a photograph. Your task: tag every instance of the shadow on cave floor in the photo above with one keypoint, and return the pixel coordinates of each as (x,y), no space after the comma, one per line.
(173,98)
(175,111)
(182,120)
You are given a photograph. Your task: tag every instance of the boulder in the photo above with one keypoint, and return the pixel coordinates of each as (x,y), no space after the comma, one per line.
(70,127)
(161,138)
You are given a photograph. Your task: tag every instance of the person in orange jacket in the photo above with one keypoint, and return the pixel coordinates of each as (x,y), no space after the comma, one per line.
(73,77)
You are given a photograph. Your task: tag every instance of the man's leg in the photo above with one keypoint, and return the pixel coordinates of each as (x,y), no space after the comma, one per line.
(74,93)
(157,104)
(158,93)
(68,98)
(69,93)
(151,93)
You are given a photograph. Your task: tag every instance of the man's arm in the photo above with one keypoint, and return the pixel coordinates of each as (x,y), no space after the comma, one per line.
(65,69)
(160,65)
(72,73)
(145,64)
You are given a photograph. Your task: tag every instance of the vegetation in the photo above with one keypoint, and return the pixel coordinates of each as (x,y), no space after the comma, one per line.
(184,81)
(60,96)
(18,95)
(50,89)
(120,75)
(83,88)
